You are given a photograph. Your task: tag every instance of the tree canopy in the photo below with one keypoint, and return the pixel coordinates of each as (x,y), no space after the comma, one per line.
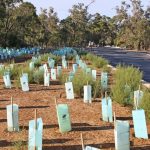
(20,26)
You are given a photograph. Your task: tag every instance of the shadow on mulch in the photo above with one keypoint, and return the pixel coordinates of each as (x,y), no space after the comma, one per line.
(123,118)
(5,143)
(55,141)
(27,107)
(32,89)
(3,108)
(78,147)
(88,127)
(31,107)
(144,147)
(52,82)
(3,120)
(4,100)
(44,127)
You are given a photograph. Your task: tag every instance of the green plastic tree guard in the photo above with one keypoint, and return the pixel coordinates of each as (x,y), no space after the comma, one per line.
(139,122)
(7,81)
(63,118)
(122,135)
(35,135)
(24,83)
(53,74)
(87,94)
(138,95)
(12,117)
(46,79)
(104,80)
(69,90)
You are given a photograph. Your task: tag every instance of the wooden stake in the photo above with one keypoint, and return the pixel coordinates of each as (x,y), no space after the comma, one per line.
(35,127)
(136,106)
(12,113)
(106,97)
(87,83)
(55,101)
(139,97)
(139,87)
(82,141)
(106,94)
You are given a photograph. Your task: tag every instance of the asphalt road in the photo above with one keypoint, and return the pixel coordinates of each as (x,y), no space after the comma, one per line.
(119,56)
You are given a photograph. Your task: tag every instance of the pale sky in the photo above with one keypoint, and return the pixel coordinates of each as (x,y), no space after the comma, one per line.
(104,7)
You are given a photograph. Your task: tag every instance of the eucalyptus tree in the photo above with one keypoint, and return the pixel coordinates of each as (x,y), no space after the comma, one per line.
(132,27)
(7,20)
(50,23)
(27,23)
(102,29)
(79,19)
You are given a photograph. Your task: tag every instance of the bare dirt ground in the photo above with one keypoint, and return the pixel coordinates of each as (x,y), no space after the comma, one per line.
(85,118)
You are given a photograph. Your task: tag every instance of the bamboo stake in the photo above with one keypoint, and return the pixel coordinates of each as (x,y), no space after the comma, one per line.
(106,94)
(35,127)
(139,87)
(106,97)
(136,104)
(82,141)
(12,113)
(56,102)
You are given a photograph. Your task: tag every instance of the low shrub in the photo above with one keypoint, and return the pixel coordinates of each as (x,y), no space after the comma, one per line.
(145,103)
(70,57)
(106,69)
(44,58)
(96,61)
(127,80)
(80,79)
(16,72)
(62,78)
(99,62)
(37,63)
(2,72)
(38,76)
